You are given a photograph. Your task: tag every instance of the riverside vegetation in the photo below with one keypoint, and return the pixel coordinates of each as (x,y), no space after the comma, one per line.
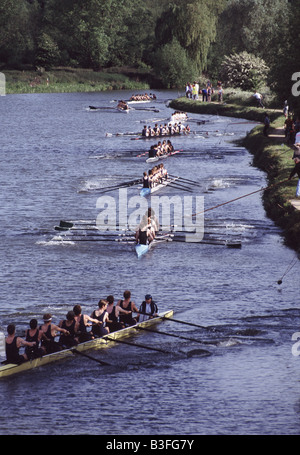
(271,154)
(66,80)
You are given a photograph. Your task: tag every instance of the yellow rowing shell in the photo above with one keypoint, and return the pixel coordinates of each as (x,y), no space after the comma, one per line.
(10,369)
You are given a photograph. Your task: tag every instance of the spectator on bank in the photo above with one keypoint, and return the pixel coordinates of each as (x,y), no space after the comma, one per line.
(266,124)
(258,98)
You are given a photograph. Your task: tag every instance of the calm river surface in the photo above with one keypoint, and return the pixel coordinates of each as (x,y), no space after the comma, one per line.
(55,157)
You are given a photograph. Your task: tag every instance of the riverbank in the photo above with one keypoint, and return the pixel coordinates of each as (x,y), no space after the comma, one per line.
(271,154)
(67,80)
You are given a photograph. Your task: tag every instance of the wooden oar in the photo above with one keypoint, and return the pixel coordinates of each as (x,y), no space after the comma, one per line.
(101,362)
(138,345)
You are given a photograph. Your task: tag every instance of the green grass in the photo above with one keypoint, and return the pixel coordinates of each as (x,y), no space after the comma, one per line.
(66,80)
(270,154)
(243,109)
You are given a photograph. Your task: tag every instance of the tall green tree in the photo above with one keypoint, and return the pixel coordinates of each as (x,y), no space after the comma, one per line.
(17,31)
(254,26)
(193,25)
(285,69)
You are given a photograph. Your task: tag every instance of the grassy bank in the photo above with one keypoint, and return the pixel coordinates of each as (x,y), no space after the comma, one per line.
(270,154)
(66,80)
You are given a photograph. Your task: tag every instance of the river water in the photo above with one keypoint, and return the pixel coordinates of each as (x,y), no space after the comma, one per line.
(55,158)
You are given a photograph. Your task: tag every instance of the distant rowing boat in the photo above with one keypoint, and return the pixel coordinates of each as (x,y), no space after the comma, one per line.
(146,191)
(139,101)
(153,159)
(184,133)
(105,341)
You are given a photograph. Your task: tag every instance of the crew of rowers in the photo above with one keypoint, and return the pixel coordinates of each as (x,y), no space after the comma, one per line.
(179,115)
(144,97)
(165,130)
(161,149)
(148,228)
(76,328)
(122,105)
(155,176)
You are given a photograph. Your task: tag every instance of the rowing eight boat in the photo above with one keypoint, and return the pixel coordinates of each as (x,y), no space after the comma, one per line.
(146,191)
(153,159)
(97,343)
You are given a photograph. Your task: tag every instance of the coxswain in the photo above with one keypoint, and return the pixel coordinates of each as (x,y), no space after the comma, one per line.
(148,309)
(13,344)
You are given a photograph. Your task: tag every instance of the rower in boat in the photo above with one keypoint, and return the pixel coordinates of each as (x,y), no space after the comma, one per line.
(102,316)
(113,322)
(163,149)
(150,218)
(152,153)
(34,334)
(170,147)
(122,105)
(130,307)
(13,345)
(68,340)
(49,333)
(145,233)
(83,321)
(148,309)
(145,131)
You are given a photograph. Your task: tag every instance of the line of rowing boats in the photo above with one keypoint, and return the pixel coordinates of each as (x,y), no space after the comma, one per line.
(97,343)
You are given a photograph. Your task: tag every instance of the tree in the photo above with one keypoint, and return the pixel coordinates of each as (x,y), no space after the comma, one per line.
(173,65)
(244,71)
(286,63)
(17,31)
(255,26)
(47,53)
(193,25)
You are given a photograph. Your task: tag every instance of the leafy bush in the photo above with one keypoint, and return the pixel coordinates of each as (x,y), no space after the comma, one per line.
(173,66)
(243,70)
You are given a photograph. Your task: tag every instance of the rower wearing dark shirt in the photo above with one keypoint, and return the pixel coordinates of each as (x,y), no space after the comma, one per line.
(13,344)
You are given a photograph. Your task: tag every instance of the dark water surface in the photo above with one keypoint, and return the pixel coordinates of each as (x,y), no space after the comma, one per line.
(55,156)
